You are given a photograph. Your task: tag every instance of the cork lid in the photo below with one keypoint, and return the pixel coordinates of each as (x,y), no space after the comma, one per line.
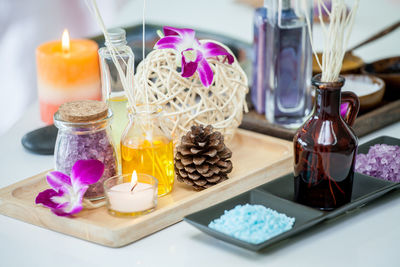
(83,111)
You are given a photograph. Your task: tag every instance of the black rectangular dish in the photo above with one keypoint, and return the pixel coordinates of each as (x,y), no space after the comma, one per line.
(279,195)
(305,216)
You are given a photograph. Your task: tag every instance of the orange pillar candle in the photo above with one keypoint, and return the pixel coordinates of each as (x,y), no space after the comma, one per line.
(66,71)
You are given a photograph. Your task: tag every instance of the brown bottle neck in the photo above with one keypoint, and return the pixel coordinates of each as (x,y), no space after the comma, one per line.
(327,102)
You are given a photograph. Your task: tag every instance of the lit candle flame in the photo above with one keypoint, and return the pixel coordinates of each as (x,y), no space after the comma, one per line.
(65,43)
(133,180)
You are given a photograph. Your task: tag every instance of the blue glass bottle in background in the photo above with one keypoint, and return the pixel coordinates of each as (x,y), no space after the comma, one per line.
(258,84)
(289,63)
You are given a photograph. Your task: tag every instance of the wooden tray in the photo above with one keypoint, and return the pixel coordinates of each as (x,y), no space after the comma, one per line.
(387,113)
(257,159)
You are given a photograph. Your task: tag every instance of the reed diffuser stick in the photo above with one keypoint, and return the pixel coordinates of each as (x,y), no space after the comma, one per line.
(336,36)
(126,80)
(143,52)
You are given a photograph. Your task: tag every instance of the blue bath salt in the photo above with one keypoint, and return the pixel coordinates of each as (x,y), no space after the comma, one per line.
(252,223)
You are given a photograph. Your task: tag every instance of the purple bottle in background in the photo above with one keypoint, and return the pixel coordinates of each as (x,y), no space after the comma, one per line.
(258,84)
(289,63)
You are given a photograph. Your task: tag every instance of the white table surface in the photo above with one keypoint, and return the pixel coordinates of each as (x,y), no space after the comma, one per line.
(370,237)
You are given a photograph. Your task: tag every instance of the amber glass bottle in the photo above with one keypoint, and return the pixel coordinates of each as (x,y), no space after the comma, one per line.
(325,148)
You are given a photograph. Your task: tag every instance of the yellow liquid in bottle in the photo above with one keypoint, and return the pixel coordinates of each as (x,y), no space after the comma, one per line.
(119,109)
(151,157)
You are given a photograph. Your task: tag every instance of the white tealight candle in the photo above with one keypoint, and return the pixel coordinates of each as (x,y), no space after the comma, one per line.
(122,199)
(131,198)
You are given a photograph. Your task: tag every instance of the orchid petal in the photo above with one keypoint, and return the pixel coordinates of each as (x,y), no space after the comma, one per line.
(205,73)
(181,39)
(60,212)
(76,204)
(184,33)
(189,65)
(343,109)
(211,49)
(58,179)
(45,198)
(71,203)
(66,197)
(188,68)
(85,172)
(184,41)
(168,42)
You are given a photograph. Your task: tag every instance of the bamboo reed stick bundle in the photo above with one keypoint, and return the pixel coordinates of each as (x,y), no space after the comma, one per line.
(128,79)
(336,36)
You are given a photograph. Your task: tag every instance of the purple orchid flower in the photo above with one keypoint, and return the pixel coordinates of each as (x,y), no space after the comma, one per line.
(343,109)
(194,54)
(66,196)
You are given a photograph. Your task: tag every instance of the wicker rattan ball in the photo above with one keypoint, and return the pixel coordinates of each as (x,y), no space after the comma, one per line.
(186,101)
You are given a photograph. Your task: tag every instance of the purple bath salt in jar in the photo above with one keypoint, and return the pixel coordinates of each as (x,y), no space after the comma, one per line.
(84,133)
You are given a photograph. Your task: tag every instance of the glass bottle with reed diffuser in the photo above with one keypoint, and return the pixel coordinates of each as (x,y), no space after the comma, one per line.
(112,86)
(325,147)
(147,147)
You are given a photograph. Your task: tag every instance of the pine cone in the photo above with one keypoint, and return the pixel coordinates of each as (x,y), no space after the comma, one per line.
(202,159)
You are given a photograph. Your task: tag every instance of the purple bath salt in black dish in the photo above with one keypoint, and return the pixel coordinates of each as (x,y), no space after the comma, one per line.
(381,161)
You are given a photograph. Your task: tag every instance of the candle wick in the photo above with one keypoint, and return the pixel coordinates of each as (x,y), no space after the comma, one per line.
(133,187)
(134,180)
(66,53)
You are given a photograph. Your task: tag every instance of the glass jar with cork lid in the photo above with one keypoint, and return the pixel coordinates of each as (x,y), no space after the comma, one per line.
(84,133)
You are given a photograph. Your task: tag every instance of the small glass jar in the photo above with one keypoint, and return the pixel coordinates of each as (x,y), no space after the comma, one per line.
(147,147)
(112,90)
(85,140)
(124,202)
